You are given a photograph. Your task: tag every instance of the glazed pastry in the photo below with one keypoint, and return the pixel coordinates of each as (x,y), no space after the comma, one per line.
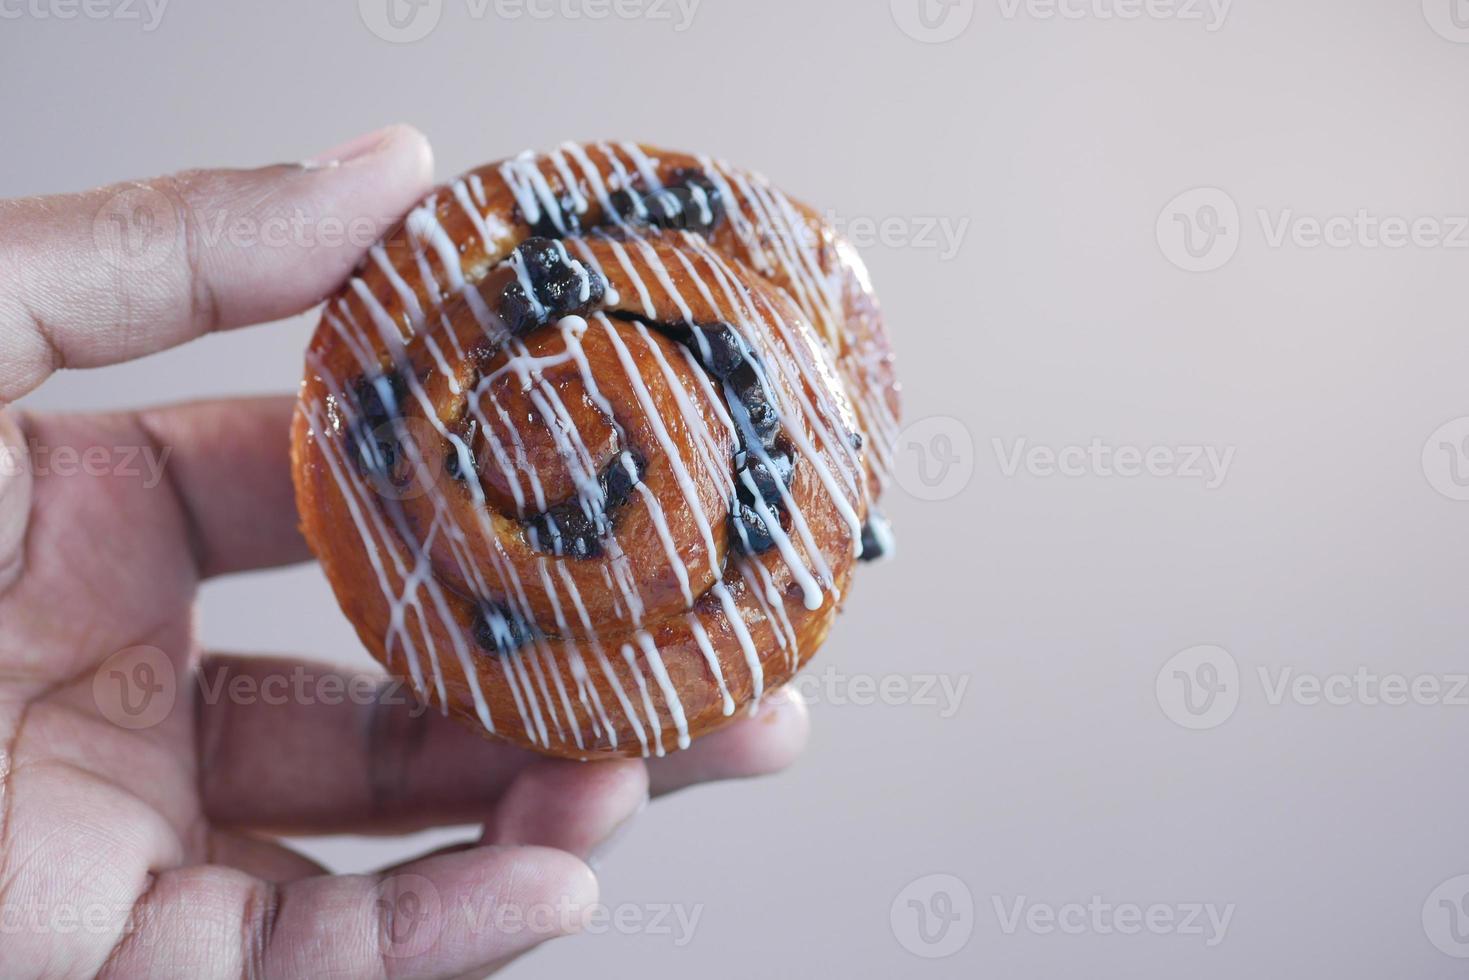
(589,445)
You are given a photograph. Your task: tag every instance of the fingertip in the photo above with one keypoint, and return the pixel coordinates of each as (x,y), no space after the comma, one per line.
(415,148)
(580,885)
(514,897)
(404,152)
(383,172)
(316,221)
(766,743)
(775,737)
(546,879)
(573,806)
(554,872)
(396,139)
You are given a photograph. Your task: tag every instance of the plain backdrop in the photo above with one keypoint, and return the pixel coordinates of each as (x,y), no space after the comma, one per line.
(1058,320)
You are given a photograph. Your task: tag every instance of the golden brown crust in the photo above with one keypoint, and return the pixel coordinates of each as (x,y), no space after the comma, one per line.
(586,445)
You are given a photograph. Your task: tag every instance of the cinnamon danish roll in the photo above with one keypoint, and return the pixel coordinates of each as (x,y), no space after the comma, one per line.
(589,445)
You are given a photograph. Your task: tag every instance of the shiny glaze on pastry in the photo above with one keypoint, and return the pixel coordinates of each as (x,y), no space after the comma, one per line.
(589,445)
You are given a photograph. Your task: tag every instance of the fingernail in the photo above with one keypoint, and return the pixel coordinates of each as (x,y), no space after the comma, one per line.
(354,149)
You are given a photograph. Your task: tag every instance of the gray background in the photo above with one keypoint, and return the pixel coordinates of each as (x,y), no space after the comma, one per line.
(1057,599)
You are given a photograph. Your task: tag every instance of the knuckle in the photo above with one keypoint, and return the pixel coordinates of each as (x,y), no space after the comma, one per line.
(394,738)
(259,913)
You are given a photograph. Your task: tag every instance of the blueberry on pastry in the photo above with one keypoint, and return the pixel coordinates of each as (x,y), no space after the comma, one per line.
(590,445)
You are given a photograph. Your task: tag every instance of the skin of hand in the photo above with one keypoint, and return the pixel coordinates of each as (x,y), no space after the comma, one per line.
(143,781)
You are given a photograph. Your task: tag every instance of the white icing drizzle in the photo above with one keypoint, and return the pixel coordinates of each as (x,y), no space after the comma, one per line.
(837,494)
(476,218)
(715,462)
(765,590)
(372,531)
(646,168)
(712,659)
(405,294)
(629,654)
(665,441)
(812,591)
(813,413)
(747,644)
(578,199)
(670,695)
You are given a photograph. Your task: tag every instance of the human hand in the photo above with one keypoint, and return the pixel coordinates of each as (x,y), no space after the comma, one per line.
(136,837)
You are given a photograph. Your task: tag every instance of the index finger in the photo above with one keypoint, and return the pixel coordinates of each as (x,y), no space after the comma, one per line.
(111,274)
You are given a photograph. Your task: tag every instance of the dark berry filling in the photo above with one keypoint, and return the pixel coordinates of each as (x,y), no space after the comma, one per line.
(549,285)
(874,533)
(688,202)
(463,435)
(759,480)
(717,348)
(499,630)
(558,286)
(563,220)
(576,527)
(724,355)
(375,446)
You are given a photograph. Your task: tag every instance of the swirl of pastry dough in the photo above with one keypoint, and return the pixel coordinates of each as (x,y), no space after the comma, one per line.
(589,445)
